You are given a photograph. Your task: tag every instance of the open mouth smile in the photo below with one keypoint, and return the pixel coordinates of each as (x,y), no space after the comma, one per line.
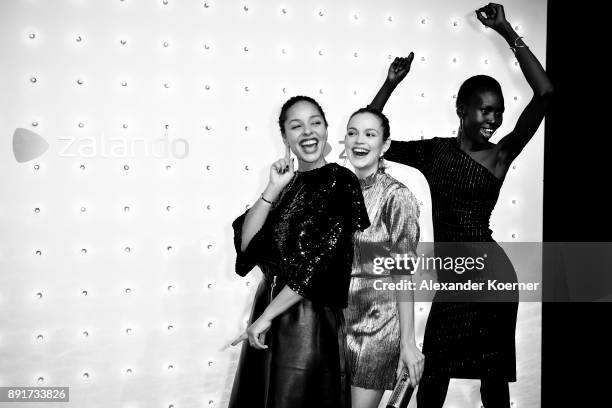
(360,151)
(309,145)
(487,132)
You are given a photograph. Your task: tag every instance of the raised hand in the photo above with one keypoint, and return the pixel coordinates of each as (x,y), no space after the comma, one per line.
(399,69)
(397,72)
(281,172)
(493,16)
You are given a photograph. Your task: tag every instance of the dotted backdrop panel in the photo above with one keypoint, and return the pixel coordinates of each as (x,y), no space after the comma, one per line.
(135,131)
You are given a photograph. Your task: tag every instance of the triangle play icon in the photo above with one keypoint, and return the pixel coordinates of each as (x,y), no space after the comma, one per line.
(28,145)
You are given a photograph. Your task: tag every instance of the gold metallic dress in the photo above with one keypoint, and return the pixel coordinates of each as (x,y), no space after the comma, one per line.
(372,320)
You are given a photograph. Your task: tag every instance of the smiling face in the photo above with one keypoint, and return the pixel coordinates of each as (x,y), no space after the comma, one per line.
(483,115)
(364,143)
(306,133)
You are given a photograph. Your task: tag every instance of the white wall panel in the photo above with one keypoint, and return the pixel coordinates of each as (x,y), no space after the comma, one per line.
(146,233)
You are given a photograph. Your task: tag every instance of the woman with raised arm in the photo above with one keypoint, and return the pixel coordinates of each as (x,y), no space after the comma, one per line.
(300,234)
(473,339)
(380,323)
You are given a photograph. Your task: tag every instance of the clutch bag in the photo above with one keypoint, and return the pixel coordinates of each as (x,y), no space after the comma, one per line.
(400,397)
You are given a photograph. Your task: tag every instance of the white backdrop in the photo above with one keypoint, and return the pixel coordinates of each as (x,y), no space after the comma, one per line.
(135,131)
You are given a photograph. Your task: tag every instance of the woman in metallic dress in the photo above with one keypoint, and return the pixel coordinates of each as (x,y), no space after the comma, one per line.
(380,324)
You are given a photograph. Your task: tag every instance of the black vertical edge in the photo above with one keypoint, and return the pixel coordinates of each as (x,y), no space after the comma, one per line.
(576,344)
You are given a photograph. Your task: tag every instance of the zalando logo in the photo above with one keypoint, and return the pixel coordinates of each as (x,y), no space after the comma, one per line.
(28,145)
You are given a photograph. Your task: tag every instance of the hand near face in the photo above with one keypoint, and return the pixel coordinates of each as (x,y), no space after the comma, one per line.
(281,171)
(492,15)
(399,69)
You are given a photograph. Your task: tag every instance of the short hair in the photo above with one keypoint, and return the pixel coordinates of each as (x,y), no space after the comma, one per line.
(472,87)
(292,101)
(383,119)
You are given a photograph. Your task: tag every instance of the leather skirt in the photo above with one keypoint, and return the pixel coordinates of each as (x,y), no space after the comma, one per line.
(305,364)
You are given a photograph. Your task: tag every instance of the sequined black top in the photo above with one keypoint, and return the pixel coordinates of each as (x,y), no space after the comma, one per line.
(463,191)
(307,238)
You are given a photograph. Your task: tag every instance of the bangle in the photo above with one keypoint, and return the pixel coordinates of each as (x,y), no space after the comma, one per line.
(267,201)
(515,45)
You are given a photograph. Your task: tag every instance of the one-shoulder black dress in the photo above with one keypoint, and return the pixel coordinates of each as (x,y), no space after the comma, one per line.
(475,338)
(307,244)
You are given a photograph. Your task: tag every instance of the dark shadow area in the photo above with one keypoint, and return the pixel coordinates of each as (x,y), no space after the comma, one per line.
(577,160)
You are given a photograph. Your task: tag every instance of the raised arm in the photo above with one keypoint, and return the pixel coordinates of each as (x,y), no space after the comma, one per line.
(411,153)
(511,145)
(281,173)
(397,72)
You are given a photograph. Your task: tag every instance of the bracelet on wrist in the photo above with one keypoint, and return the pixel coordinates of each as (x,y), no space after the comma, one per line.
(264,198)
(514,47)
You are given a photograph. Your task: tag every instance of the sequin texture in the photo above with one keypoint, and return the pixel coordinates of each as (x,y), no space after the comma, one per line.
(305,243)
(307,239)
